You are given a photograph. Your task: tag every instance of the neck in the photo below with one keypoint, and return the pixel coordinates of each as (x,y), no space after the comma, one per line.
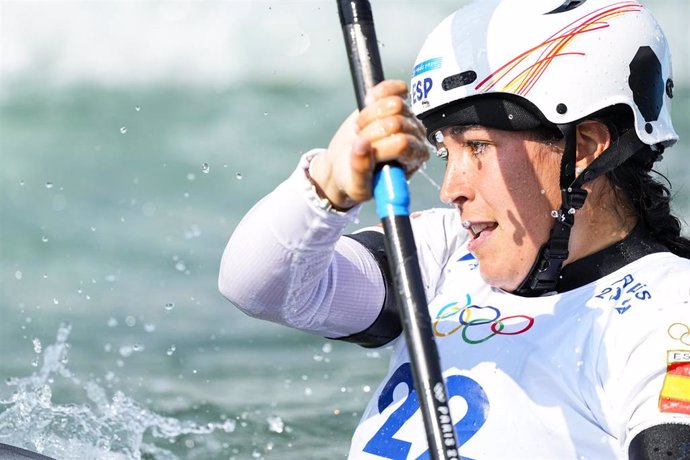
(637,244)
(603,220)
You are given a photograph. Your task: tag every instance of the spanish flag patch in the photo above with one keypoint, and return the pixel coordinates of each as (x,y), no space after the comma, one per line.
(675,393)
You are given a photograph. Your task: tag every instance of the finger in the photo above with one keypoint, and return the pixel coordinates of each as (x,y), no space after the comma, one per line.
(381,128)
(382,108)
(406,149)
(386,88)
(362,164)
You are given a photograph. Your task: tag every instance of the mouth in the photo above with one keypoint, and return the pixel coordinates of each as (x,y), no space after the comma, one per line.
(480,233)
(476,228)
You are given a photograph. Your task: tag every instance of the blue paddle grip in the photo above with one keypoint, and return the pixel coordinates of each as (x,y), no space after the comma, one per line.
(390,191)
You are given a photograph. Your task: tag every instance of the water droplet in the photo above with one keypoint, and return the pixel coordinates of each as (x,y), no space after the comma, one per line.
(366,388)
(21,182)
(123,130)
(93,229)
(149,327)
(49,185)
(37,345)
(238,176)
(126,351)
(171,350)
(169,306)
(191,177)
(543,191)
(112,322)
(18,275)
(137,108)
(265,114)
(56,301)
(44,239)
(180,266)
(130,321)
(205,168)
(307,391)
(510,116)
(327,348)
(275,424)
(554,214)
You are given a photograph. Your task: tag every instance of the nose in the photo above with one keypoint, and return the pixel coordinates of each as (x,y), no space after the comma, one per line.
(457,182)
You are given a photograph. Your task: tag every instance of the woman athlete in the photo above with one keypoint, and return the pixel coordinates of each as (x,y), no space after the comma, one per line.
(556,278)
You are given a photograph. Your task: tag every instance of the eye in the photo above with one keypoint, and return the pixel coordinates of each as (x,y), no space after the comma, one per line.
(477,147)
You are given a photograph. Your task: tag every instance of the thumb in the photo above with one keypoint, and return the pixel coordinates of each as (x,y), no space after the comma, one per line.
(362,166)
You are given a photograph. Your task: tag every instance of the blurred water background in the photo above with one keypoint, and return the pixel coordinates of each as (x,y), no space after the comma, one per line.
(133,137)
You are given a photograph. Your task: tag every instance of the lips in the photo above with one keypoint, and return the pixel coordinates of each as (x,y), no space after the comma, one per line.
(480,232)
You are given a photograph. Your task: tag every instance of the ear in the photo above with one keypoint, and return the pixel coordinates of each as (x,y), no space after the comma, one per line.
(593,138)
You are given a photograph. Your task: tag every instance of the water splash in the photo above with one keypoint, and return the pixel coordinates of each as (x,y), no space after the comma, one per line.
(429,178)
(105,427)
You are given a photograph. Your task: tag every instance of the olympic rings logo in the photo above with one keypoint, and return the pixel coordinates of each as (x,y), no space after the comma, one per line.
(680,332)
(497,325)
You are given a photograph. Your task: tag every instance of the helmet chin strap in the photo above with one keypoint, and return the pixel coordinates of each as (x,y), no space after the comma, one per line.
(545,273)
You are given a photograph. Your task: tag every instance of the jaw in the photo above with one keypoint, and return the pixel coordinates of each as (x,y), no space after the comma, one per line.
(505,261)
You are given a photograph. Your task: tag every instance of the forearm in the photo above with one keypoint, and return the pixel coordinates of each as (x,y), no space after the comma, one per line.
(286,263)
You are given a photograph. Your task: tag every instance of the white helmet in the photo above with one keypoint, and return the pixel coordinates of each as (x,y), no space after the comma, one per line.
(568,59)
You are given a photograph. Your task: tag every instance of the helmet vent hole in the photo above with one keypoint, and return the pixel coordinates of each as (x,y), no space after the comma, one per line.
(459,79)
(561,108)
(649,128)
(669,88)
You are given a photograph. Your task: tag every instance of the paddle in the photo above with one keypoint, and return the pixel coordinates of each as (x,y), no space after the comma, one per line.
(392,206)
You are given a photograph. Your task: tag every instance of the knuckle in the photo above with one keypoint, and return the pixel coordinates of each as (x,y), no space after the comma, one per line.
(403,141)
(396,104)
(394,124)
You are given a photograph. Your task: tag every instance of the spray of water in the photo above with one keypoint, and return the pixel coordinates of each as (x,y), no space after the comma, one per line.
(103,428)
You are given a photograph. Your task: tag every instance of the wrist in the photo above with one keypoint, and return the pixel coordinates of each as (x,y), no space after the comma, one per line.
(320,176)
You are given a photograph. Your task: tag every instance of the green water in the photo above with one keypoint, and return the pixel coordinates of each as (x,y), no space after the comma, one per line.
(120,234)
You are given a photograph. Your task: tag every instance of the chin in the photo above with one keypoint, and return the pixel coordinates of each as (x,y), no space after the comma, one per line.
(500,276)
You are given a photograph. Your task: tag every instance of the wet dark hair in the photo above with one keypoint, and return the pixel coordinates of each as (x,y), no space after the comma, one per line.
(651,200)
(638,182)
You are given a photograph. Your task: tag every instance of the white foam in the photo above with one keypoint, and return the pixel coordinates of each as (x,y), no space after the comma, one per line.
(195,42)
(224,42)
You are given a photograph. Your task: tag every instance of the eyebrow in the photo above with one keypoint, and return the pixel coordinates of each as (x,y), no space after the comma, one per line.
(462,129)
